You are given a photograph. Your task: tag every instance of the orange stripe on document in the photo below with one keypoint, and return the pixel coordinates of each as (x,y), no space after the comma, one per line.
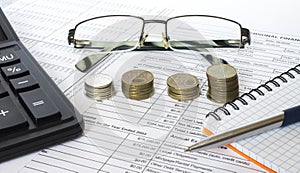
(209,133)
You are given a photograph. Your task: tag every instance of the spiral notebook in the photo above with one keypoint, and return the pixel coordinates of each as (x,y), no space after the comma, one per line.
(277,150)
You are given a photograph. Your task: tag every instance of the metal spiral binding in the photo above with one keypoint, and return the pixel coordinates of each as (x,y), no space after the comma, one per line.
(251,96)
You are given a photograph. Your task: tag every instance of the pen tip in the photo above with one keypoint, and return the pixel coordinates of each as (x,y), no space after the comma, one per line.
(187,149)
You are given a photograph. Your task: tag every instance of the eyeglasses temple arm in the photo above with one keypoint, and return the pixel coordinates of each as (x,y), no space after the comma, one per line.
(71,36)
(90,61)
(246,38)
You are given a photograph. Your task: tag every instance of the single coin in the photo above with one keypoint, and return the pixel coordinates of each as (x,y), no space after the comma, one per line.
(183,97)
(98,80)
(137,87)
(182,81)
(137,77)
(184,92)
(191,94)
(147,90)
(220,94)
(98,91)
(223,81)
(232,87)
(99,98)
(222,99)
(221,72)
(183,86)
(139,96)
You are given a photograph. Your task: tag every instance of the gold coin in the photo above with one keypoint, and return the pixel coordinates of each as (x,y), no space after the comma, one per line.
(139,96)
(137,84)
(190,94)
(136,87)
(184,92)
(137,91)
(183,86)
(137,77)
(182,81)
(183,97)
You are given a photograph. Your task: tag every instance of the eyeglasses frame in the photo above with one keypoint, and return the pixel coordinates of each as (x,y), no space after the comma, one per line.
(86,63)
(245,33)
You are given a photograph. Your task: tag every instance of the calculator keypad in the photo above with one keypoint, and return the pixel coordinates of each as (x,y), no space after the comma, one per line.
(34,100)
(34,113)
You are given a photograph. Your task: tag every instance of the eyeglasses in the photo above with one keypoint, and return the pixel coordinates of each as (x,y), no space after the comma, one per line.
(119,33)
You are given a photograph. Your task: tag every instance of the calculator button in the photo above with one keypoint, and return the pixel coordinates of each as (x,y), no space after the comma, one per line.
(14,71)
(23,84)
(11,119)
(40,107)
(3,92)
(8,58)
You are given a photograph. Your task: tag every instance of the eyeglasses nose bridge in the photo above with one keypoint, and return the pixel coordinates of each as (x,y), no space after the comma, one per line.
(155,21)
(165,38)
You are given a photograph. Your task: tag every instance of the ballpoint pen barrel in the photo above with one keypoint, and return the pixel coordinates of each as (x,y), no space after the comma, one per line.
(239,133)
(290,116)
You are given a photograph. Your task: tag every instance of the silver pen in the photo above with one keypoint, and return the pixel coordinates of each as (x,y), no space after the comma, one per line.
(287,117)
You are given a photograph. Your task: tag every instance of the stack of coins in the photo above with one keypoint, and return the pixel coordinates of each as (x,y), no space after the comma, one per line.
(183,86)
(137,84)
(99,86)
(222,83)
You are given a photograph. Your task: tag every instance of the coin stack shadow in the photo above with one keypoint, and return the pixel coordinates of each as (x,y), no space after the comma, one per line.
(183,86)
(137,84)
(99,86)
(222,83)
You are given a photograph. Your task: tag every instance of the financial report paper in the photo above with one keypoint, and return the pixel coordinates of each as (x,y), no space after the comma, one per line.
(123,135)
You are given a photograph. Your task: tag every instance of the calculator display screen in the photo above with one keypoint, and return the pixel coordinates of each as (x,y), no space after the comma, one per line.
(2,35)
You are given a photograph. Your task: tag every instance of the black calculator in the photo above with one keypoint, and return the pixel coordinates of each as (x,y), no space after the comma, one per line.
(34,112)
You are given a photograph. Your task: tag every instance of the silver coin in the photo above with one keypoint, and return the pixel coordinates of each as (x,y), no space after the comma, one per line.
(98,97)
(223,88)
(222,83)
(99,86)
(98,80)
(97,90)
(221,72)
